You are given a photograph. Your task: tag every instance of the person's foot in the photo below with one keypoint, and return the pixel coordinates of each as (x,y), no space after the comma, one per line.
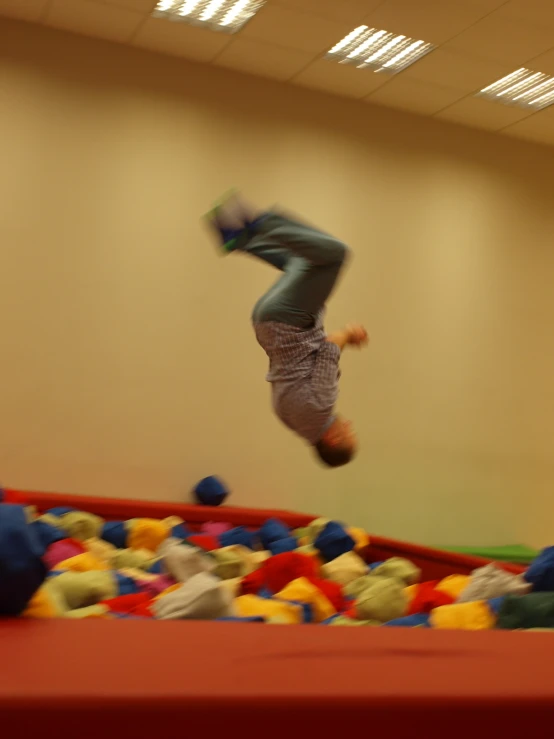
(228,220)
(233,219)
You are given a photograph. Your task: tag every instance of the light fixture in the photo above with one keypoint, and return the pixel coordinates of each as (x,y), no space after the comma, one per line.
(523,88)
(220,15)
(380,51)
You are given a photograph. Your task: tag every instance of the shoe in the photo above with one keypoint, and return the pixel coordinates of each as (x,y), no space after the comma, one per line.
(228,220)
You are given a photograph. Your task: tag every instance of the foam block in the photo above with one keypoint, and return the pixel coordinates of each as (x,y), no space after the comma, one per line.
(80,525)
(182,562)
(115,533)
(201,597)
(475,616)
(85,562)
(333,540)
(283,545)
(21,567)
(279,571)
(273,611)
(211,491)
(215,528)
(533,611)
(304,591)
(272,531)
(400,568)
(492,582)
(81,589)
(62,550)
(239,535)
(454,585)
(46,533)
(541,572)
(141,559)
(146,533)
(42,605)
(344,569)
(232,562)
(424,597)
(125,585)
(383,600)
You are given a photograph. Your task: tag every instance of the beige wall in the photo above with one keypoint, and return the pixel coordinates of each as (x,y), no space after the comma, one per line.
(128,363)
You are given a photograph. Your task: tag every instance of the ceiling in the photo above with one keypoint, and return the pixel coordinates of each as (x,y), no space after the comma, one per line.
(478,42)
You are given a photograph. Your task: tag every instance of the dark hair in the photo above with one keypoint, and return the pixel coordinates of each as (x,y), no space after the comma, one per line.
(333,456)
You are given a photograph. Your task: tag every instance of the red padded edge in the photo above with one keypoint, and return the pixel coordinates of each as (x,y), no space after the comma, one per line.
(435,563)
(140,679)
(122,508)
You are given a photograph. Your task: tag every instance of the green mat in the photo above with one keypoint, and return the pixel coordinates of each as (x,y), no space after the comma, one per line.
(516,553)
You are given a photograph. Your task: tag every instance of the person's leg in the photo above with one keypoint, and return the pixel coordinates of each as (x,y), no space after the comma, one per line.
(311,271)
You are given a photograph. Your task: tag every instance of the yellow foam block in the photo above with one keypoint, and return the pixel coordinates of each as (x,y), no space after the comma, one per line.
(453,585)
(252,605)
(41,605)
(147,533)
(361,538)
(303,591)
(85,562)
(473,616)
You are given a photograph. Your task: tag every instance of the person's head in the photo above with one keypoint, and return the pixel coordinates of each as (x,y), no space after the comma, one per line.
(338,445)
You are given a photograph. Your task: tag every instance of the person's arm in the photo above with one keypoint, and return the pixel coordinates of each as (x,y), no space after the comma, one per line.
(351,335)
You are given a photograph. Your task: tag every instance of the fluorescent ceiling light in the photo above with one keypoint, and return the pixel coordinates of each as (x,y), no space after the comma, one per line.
(220,15)
(523,88)
(381,51)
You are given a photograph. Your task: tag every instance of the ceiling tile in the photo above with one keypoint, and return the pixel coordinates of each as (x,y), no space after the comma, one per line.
(180,39)
(538,12)
(352,11)
(543,63)
(458,71)
(93,19)
(140,6)
(267,60)
(538,127)
(435,21)
(282,26)
(26,10)
(409,94)
(481,113)
(502,40)
(341,79)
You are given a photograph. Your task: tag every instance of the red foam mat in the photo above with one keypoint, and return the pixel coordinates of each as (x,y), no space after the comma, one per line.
(139,680)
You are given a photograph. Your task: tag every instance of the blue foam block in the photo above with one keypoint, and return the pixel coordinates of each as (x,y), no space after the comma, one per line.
(211,491)
(115,533)
(334,540)
(238,535)
(22,570)
(273,530)
(541,571)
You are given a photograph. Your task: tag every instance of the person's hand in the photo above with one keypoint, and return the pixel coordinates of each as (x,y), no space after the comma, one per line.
(356,335)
